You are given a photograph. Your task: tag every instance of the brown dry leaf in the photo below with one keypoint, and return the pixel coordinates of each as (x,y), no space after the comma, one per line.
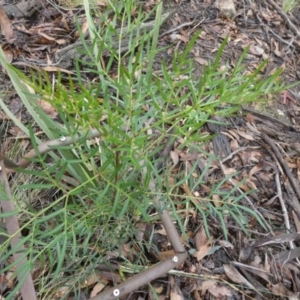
(126,250)
(266,14)
(229,171)
(250,184)
(201,61)
(203,251)
(166,254)
(225,32)
(176,36)
(200,238)
(171,181)
(225,244)
(246,135)
(260,270)
(266,177)
(254,156)
(194,199)
(256,50)
(94,278)
(206,285)
(141,229)
(6,27)
(184,239)
(101,2)
(56,69)
(243,187)
(196,295)
(206,188)
(276,51)
(9,55)
(190,156)
(272,216)
(234,145)
(42,27)
(217,200)
(220,291)
(176,294)
(84,29)
(10,279)
(280,290)
(61,291)
(233,133)
(161,231)
(175,157)
(15,105)
(48,108)
(30,89)
(97,289)
(236,277)
(203,244)
(61,41)
(45,105)
(255,169)
(65,24)
(46,36)
(158,288)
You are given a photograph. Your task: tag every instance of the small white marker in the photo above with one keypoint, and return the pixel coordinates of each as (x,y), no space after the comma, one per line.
(116,292)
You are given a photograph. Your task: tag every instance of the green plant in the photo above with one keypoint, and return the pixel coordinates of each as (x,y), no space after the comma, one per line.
(99,191)
(289,5)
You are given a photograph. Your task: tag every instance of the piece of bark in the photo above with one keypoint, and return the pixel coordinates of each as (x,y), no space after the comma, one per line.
(23,9)
(65,57)
(227,8)
(6,28)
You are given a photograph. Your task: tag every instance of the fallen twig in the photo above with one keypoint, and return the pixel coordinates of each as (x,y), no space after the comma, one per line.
(283,207)
(284,165)
(142,278)
(284,211)
(48,146)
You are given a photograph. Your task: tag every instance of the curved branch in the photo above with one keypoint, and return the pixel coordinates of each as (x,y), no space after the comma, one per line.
(48,146)
(142,278)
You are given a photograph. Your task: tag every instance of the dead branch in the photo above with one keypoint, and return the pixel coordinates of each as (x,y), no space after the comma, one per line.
(13,229)
(48,146)
(283,207)
(142,278)
(282,162)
